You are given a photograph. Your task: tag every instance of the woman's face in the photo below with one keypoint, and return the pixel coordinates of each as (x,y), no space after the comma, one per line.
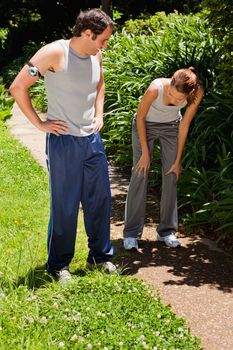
(176,98)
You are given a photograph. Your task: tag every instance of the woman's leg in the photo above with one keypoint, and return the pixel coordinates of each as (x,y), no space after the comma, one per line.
(168,137)
(136,197)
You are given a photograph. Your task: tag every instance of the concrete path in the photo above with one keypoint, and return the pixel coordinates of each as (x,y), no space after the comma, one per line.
(196,280)
(28,134)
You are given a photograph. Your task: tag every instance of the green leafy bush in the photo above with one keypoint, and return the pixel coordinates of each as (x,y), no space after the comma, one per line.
(133,61)
(39,96)
(3,36)
(148,26)
(219,15)
(206,186)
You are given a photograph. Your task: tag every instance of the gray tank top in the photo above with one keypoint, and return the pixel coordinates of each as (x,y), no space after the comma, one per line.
(161,113)
(72,92)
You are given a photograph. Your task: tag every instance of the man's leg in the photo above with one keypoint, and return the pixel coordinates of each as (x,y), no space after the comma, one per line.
(96,201)
(64,164)
(168,137)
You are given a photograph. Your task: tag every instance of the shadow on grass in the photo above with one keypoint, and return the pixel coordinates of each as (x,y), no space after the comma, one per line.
(194,264)
(35,278)
(39,278)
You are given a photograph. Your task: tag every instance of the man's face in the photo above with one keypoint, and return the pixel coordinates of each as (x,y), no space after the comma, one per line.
(96,43)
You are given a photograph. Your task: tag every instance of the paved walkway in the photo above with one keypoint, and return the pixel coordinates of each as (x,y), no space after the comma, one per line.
(196,280)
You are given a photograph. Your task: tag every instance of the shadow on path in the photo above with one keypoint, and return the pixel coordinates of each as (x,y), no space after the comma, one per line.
(119,186)
(193,264)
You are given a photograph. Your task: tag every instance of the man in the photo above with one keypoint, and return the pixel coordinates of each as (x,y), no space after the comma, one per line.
(76,158)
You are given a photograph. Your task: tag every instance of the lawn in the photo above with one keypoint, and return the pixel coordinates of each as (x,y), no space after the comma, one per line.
(95,311)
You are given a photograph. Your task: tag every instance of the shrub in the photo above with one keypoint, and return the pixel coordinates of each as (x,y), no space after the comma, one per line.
(220,15)
(3,36)
(133,61)
(206,187)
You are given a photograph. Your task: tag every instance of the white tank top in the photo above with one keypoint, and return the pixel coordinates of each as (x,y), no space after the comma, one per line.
(161,113)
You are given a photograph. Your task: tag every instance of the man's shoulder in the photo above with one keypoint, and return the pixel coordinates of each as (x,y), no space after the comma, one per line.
(48,57)
(54,47)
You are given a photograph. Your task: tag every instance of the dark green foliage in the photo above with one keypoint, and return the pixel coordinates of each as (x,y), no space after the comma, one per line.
(10,71)
(5,103)
(37,20)
(220,16)
(206,186)
(135,9)
(3,37)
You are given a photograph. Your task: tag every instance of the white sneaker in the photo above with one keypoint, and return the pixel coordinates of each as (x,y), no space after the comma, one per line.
(130,243)
(107,267)
(64,276)
(170,240)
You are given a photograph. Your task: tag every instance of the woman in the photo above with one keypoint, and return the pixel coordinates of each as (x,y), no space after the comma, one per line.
(159,117)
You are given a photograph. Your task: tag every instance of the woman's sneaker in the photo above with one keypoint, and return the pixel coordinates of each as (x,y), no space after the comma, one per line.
(170,240)
(130,243)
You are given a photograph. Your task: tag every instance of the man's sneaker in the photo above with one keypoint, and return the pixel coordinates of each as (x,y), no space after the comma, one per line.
(170,240)
(130,243)
(64,276)
(107,267)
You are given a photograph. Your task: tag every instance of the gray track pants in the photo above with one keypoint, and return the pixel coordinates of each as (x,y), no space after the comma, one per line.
(167,134)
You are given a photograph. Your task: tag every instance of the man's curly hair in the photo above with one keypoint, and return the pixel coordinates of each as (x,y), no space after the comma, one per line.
(95,20)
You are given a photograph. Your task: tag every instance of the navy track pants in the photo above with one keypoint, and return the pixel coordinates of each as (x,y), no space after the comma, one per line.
(78,172)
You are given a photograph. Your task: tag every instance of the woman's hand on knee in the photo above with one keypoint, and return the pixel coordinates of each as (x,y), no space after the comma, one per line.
(143,165)
(176,169)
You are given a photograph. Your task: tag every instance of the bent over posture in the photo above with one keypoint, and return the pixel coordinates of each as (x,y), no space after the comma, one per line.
(159,117)
(77,163)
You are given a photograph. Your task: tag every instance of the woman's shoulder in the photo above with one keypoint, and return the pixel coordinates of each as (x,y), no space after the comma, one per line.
(165,82)
(152,91)
(161,83)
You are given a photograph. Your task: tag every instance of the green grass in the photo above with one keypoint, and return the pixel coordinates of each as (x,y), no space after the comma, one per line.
(24,209)
(96,311)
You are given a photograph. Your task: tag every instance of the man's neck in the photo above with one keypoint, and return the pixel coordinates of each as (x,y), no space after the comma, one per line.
(77,45)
